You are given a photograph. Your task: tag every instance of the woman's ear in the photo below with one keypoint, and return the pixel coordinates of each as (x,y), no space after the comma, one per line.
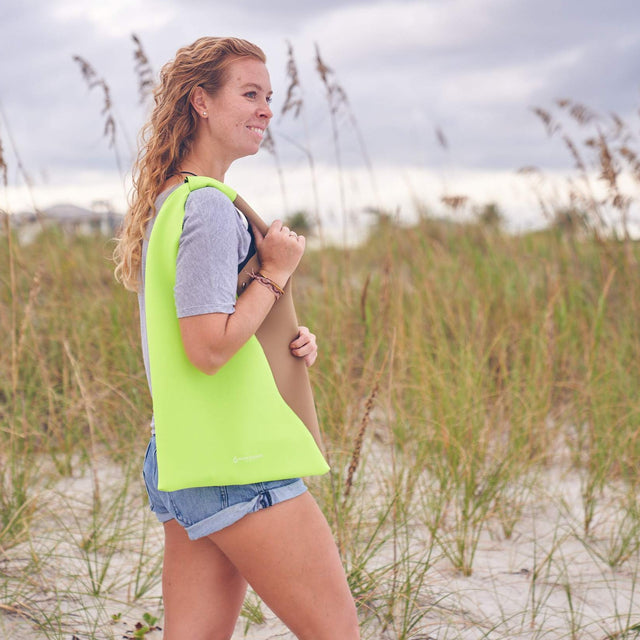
(198,100)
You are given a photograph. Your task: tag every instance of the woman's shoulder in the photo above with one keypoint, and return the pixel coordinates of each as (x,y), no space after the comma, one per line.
(208,206)
(209,198)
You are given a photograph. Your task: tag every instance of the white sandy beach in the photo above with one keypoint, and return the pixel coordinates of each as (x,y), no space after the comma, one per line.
(545,581)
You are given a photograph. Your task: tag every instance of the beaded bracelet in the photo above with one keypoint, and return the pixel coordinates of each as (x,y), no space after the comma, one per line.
(267,282)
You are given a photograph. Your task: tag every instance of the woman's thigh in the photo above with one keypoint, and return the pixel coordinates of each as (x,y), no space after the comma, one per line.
(288,555)
(202,590)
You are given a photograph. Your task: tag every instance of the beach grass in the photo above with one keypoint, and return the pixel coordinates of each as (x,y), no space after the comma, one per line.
(478,394)
(461,368)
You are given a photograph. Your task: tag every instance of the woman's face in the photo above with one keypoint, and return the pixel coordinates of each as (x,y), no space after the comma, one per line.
(239,113)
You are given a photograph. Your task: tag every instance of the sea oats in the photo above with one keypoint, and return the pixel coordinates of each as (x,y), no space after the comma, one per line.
(143,69)
(293,100)
(93,80)
(3,165)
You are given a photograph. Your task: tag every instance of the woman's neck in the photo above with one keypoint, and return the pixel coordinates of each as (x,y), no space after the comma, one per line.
(203,161)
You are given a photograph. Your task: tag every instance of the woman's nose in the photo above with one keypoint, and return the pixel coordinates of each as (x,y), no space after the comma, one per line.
(265,111)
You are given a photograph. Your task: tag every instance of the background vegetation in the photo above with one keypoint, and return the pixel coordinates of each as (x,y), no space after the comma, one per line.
(477,390)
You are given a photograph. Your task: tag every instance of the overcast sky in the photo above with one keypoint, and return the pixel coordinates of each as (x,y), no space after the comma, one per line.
(472,69)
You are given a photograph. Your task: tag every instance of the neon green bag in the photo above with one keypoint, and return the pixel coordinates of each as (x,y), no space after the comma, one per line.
(230,428)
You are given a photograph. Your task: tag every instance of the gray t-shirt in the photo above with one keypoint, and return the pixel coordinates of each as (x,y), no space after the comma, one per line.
(214,241)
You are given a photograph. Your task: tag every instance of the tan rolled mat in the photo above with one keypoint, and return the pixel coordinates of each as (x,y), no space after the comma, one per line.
(278,329)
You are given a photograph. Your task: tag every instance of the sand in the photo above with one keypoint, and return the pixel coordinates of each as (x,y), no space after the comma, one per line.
(547,580)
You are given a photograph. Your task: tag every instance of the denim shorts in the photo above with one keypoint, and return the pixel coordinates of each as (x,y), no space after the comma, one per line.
(205,510)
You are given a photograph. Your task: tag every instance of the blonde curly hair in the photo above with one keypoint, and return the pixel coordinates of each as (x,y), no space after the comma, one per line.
(168,135)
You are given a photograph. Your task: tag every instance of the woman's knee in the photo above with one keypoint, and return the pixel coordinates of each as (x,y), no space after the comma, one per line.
(347,629)
(198,634)
(341,622)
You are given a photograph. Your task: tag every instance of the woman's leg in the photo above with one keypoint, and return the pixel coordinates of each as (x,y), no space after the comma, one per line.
(288,555)
(202,591)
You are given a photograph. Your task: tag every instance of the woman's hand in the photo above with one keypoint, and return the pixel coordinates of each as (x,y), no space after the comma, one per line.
(304,346)
(279,251)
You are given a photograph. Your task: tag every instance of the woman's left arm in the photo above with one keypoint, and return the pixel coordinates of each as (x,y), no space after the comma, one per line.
(304,346)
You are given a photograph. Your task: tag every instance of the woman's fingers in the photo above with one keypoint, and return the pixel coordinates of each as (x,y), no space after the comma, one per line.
(304,337)
(280,250)
(275,226)
(305,346)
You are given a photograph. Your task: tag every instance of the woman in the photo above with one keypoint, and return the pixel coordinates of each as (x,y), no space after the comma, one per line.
(211,108)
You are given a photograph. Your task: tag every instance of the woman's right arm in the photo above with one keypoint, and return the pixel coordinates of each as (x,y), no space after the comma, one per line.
(211,339)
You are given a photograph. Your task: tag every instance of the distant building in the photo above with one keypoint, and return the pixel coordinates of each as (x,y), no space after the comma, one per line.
(70,218)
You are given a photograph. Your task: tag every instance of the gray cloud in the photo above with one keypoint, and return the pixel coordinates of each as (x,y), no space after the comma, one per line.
(473,68)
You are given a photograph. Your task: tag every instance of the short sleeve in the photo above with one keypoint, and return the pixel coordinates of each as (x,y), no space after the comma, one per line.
(213,242)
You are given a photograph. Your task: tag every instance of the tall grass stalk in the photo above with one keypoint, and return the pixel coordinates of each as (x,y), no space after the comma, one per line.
(337,100)
(294,103)
(95,81)
(21,169)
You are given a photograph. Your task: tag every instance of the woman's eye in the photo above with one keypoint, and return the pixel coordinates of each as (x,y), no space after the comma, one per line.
(251,94)
(269,99)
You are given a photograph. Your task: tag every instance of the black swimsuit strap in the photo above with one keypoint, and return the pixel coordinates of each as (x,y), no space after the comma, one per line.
(250,253)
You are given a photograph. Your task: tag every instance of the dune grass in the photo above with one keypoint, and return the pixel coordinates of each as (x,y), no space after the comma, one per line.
(461,368)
